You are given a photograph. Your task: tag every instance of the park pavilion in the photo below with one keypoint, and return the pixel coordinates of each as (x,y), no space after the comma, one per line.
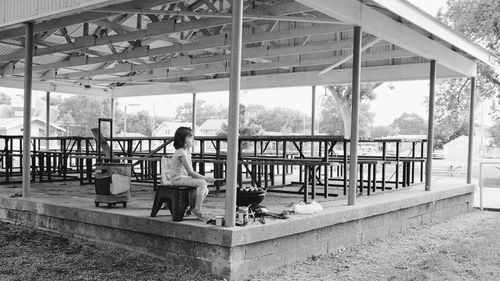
(123,48)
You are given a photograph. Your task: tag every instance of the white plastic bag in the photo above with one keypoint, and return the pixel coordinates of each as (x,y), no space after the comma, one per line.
(316,206)
(119,184)
(303,208)
(165,171)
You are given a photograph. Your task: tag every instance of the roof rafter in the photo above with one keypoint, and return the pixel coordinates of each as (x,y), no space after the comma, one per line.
(284,62)
(419,71)
(378,24)
(79,18)
(49,86)
(365,46)
(246,16)
(204,43)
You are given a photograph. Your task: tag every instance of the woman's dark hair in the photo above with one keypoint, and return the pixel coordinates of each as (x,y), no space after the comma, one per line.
(180,136)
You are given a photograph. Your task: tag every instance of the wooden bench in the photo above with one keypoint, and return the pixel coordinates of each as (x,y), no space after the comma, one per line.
(176,198)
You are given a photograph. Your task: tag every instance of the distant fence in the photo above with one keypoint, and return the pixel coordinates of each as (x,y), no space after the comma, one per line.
(450,171)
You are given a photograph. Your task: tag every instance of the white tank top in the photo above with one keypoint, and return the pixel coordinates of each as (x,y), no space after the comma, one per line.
(177,170)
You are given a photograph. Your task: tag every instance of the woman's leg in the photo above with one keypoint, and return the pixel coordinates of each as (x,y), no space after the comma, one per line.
(192,200)
(200,193)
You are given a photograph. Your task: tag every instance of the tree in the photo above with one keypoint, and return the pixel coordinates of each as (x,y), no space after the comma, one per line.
(495,134)
(140,122)
(80,113)
(478,20)
(5,99)
(54,99)
(283,120)
(382,131)
(339,100)
(410,124)
(204,111)
(246,127)
(330,119)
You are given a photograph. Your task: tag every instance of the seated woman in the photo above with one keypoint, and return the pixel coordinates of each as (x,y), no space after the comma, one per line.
(182,173)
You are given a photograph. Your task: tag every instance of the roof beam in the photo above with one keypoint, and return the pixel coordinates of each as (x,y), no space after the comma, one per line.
(204,43)
(247,53)
(219,15)
(48,86)
(382,26)
(342,76)
(153,29)
(428,22)
(347,58)
(283,62)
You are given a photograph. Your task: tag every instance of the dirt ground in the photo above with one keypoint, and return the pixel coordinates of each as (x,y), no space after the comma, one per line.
(464,248)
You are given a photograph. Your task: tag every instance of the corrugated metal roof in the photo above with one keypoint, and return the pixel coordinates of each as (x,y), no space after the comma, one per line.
(19,11)
(184,63)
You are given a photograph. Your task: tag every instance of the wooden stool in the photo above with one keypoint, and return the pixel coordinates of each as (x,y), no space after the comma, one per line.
(176,197)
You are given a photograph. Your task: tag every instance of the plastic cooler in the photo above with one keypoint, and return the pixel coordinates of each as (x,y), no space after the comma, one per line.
(112,184)
(112,179)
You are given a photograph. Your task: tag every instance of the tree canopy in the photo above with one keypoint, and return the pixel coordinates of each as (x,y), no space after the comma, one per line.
(5,99)
(204,111)
(78,114)
(410,124)
(284,120)
(479,20)
(336,110)
(247,127)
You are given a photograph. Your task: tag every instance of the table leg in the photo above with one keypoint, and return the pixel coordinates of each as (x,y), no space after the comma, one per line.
(49,166)
(383,176)
(272,174)
(327,171)
(41,159)
(306,182)
(266,172)
(155,174)
(80,164)
(409,177)
(88,163)
(313,182)
(369,178)
(404,175)
(239,178)
(361,178)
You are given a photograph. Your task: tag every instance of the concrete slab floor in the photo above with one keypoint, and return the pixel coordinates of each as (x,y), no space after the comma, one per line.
(71,193)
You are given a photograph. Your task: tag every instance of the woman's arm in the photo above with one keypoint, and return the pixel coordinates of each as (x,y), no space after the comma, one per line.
(192,173)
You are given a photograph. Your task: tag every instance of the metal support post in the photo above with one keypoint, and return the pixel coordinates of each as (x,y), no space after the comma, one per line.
(28,72)
(233,120)
(470,151)
(430,128)
(353,155)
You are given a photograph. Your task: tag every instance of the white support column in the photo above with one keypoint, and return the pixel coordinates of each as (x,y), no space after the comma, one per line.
(193,118)
(125,121)
(28,67)
(356,78)
(233,120)
(47,119)
(112,112)
(470,151)
(313,116)
(430,128)
(313,111)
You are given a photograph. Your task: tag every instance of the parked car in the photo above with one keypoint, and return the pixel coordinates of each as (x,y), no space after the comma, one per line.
(438,154)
